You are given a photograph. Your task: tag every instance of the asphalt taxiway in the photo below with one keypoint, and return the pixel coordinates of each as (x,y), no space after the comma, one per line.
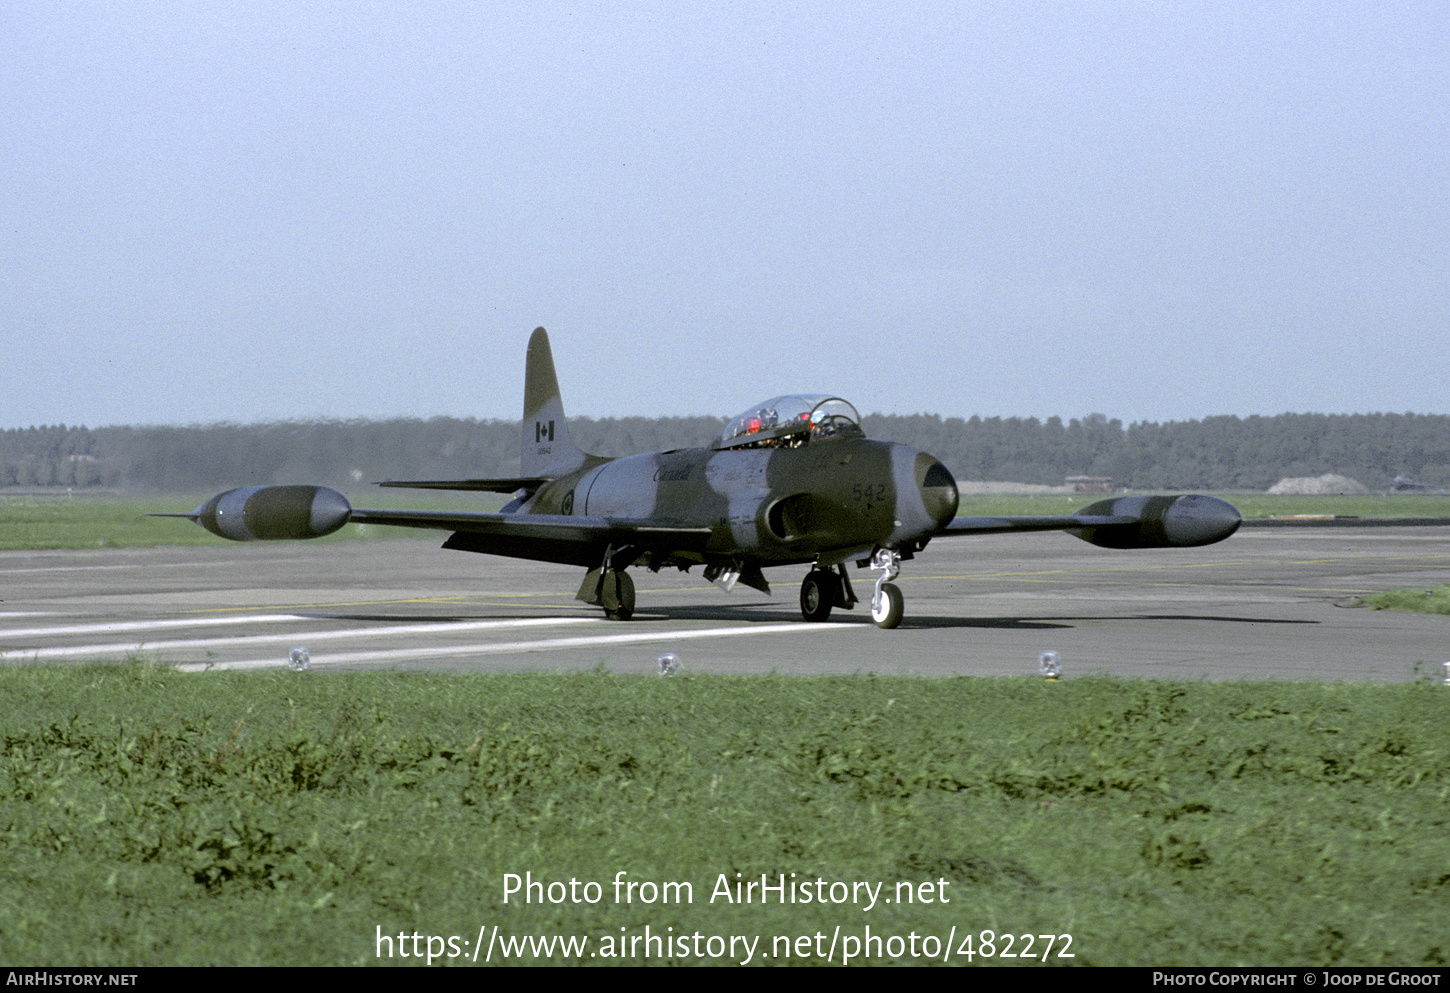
(1265,604)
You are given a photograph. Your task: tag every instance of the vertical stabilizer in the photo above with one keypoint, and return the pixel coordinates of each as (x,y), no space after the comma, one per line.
(547,449)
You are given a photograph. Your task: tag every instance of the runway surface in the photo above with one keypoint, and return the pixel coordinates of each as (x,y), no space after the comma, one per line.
(1269,603)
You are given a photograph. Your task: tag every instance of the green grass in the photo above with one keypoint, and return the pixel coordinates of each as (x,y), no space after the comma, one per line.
(149,817)
(44,521)
(1373,505)
(1429,601)
(41,521)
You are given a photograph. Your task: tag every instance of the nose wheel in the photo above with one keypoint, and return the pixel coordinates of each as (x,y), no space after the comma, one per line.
(887,606)
(887,603)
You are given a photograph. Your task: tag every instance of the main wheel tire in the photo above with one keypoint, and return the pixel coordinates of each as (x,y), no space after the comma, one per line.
(817,597)
(887,610)
(618,596)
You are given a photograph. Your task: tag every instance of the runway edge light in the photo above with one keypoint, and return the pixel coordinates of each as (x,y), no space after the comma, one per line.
(1050,664)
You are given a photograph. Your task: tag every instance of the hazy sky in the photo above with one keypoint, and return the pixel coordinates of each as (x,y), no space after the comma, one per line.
(239,211)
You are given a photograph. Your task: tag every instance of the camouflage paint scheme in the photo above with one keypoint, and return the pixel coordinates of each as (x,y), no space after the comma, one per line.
(792,480)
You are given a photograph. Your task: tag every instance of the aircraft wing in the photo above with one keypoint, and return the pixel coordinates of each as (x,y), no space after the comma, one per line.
(508,485)
(1183,521)
(269,513)
(561,538)
(1002,525)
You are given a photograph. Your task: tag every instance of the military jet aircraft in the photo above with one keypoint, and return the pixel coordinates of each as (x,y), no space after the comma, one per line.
(790,481)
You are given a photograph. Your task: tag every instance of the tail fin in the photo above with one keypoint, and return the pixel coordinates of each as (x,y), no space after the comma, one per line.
(546,450)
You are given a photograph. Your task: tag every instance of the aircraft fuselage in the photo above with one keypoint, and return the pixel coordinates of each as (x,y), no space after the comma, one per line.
(770,506)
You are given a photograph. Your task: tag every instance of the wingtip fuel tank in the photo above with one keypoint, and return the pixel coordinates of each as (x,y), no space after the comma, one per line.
(272,513)
(1186,521)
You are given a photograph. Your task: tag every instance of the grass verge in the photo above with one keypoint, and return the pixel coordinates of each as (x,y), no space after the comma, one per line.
(43,521)
(153,818)
(1432,601)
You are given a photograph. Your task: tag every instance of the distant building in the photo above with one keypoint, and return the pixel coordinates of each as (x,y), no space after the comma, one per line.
(1091,484)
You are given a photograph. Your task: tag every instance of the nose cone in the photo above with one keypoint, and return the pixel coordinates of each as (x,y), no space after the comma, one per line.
(1200,520)
(328,512)
(938,489)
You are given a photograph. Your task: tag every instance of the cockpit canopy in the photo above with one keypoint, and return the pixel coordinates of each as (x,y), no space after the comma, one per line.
(791,421)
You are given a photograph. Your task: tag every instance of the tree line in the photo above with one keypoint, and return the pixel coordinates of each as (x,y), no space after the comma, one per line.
(1218,453)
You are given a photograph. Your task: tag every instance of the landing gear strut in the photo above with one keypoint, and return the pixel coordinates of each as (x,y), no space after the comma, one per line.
(887,603)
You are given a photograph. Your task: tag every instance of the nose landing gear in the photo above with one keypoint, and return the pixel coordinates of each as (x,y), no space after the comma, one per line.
(887,603)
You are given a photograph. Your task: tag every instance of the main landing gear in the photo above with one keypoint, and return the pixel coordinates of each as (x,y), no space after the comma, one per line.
(610,587)
(823,589)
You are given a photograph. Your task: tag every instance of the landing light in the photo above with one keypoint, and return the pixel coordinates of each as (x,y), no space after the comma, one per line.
(299,660)
(669,664)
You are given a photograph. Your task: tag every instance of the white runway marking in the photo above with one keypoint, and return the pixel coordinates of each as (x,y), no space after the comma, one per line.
(261,639)
(7,571)
(550,644)
(117,627)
